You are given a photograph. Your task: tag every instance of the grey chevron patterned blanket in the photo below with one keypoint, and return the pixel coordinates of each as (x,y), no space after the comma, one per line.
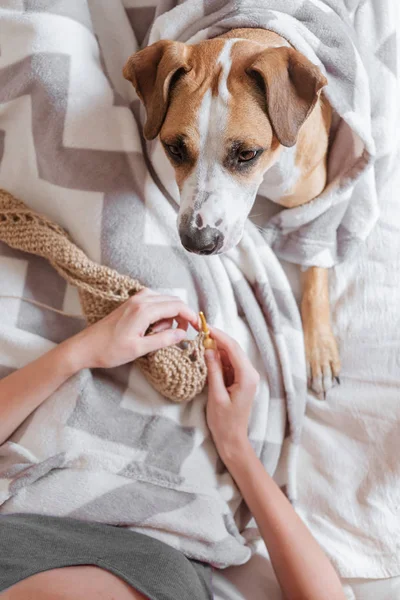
(106,446)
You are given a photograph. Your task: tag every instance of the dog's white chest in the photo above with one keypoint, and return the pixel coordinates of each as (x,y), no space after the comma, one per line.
(280,179)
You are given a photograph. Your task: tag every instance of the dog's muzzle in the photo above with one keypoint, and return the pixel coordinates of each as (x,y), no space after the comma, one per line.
(205,241)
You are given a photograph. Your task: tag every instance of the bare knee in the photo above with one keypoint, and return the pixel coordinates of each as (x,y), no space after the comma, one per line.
(72,583)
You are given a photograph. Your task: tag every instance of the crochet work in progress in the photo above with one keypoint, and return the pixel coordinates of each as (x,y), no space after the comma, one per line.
(177,372)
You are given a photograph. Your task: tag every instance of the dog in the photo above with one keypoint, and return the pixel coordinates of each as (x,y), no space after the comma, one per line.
(232,113)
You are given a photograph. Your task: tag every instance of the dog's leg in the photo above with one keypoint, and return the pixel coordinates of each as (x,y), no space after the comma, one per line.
(323,364)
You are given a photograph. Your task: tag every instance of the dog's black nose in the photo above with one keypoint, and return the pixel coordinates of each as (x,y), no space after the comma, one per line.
(202,241)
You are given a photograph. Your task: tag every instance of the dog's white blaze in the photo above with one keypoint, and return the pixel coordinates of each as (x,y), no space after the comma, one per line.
(226,200)
(213,117)
(225,61)
(281,178)
(210,179)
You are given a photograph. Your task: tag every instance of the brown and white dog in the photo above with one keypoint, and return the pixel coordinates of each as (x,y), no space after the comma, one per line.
(233,112)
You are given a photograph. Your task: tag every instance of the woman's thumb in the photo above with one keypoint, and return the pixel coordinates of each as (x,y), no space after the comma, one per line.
(216,382)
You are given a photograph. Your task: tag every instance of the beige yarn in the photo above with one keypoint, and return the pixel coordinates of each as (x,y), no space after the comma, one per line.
(177,372)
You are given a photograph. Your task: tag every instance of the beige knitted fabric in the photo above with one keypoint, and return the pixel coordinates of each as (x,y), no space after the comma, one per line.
(178,372)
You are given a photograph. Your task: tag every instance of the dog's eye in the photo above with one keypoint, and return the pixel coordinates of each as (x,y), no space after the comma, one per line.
(247,155)
(174,150)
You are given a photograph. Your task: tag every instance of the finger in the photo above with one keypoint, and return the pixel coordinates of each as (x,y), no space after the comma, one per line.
(182,323)
(227,369)
(226,363)
(143,293)
(166,323)
(229,377)
(160,326)
(148,296)
(154,297)
(216,384)
(236,356)
(157,311)
(151,343)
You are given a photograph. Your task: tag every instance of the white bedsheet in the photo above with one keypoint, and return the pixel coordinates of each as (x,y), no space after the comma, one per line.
(256,581)
(349,467)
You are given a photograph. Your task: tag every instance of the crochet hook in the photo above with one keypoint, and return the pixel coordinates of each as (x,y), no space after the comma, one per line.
(208,343)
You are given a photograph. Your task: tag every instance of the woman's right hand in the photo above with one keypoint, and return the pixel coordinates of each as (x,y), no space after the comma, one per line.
(123,335)
(232,382)
(232,385)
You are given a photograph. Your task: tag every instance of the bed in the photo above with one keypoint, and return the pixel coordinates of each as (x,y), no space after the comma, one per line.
(348,471)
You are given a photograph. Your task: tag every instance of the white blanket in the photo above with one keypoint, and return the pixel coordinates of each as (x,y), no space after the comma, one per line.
(106,446)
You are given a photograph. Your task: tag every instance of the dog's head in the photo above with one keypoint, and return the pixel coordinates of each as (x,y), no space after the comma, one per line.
(223,110)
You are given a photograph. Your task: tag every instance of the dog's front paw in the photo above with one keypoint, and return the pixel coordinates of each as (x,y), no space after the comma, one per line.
(322,359)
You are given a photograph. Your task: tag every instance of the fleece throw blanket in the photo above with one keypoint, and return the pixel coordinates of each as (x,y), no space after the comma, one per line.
(105,446)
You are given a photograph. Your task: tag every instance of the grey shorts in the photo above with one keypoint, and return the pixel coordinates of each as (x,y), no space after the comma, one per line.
(30,544)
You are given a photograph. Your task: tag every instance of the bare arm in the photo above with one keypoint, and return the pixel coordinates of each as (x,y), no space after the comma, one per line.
(301,567)
(23,391)
(113,341)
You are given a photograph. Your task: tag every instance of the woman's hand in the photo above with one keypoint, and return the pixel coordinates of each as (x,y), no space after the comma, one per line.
(121,337)
(232,384)
(115,340)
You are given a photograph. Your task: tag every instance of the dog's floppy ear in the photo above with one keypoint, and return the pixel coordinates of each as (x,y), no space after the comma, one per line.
(151,71)
(292,85)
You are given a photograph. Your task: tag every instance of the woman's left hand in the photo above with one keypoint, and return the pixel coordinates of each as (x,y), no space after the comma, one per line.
(141,325)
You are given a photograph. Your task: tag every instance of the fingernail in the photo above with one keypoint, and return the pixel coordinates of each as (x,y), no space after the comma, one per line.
(180,334)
